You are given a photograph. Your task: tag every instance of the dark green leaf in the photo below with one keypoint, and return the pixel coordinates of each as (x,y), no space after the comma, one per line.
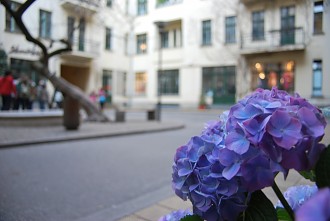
(191,218)
(322,169)
(260,208)
(310,175)
(283,215)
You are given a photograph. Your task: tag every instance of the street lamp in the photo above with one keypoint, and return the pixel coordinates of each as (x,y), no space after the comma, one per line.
(161,28)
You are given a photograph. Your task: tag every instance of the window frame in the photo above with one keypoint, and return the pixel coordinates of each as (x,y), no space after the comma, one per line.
(230,26)
(10,23)
(109,3)
(140,40)
(258,25)
(207,32)
(142,7)
(108,39)
(317,69)
(45,24)
(169,77)
(164,39)
(318,10)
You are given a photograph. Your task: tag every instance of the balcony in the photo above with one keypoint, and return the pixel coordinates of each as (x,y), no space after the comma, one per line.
(251,2)
(84,7)
(274,41)
(163,3)
(82,51)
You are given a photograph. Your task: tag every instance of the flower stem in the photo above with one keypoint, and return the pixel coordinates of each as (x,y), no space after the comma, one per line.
(285,204)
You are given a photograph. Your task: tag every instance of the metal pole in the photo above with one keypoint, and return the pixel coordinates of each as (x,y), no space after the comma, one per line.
(160,26)
(159,104)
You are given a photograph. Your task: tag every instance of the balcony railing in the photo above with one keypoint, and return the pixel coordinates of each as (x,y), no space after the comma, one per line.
(84,6)
(84,49)
(162,3)
(274,41)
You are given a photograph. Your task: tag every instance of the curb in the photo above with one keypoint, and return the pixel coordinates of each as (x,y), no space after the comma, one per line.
(92,135)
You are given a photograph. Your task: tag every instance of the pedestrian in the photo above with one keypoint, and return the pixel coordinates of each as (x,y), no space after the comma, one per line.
(42,95)
(102,98)
(24,90)
(58,98)
(7,90)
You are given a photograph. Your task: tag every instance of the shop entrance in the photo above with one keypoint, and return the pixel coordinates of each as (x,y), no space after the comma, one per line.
(77,76)
(219,82)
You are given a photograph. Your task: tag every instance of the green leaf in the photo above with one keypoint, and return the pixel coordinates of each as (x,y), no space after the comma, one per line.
(322,169)
(260,208)
(283,215)
(310,175)
(191,218)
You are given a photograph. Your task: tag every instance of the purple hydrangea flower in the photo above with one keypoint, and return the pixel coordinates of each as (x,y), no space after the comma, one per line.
(175,215)
(316,208)
(264,133)
(296,196)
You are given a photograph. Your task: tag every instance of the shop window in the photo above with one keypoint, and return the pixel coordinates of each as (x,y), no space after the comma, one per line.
(168,82)
(141,83)
(268,75)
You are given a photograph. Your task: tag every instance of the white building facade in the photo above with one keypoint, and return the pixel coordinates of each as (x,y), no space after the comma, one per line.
(177,51)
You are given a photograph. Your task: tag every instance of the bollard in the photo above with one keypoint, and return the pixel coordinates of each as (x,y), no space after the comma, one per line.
(71,117)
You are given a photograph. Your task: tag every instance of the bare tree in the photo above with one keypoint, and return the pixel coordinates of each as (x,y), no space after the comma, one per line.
(41,66)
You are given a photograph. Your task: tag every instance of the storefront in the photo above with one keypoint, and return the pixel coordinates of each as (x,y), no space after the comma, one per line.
(220,83)
(273,74)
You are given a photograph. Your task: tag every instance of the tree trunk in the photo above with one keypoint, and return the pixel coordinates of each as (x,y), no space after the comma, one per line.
(94,114)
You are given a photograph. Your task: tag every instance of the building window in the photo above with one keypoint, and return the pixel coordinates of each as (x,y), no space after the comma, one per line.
(161,3)
(164,40)
(288,25)
(318,17)
(45,24)
(141,44)
(109,3)
(219,84)
(108,39)
(142,7)
(141,83)
(70,29)
(107,81)
(317,78)
(11,25)
(268,75)
(82,27)
(206,32)
(230,23)
(168,82)
(258,30)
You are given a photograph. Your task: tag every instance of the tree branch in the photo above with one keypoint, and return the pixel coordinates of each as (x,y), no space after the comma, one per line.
(24,6)
(18,19)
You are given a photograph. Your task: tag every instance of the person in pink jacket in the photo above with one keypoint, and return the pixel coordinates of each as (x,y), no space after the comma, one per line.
(7,90)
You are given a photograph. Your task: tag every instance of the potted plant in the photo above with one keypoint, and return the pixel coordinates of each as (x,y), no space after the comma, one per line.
(202,103)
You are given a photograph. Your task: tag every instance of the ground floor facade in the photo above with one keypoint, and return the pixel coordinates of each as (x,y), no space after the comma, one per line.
(186,86)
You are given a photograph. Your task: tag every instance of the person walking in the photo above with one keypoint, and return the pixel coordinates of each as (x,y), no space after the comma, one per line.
(42,95)
(7,90)
(24,93)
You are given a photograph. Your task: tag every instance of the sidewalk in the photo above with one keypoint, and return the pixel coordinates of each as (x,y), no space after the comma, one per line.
(17,136)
